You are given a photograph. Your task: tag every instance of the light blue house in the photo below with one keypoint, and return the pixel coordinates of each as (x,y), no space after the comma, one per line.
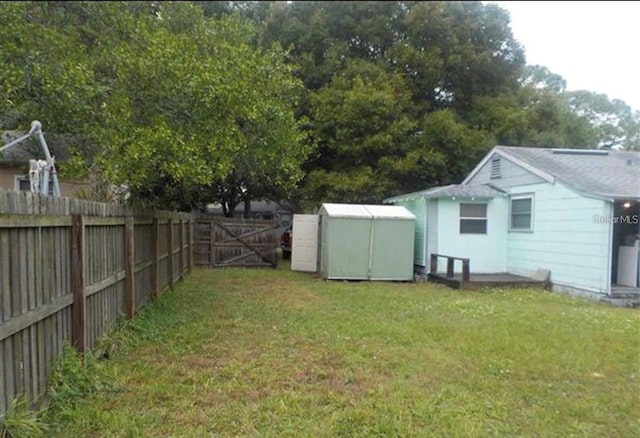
(573,212)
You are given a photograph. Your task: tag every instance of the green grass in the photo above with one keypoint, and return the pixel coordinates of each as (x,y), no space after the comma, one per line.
(279,353)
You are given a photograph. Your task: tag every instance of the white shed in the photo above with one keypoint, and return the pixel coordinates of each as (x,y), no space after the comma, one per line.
(366,242)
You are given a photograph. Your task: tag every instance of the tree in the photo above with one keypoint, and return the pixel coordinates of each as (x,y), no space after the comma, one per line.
(169,100)
(456,52)
(209,110)
(376,72)
(47,72)
(187,103)
(544,113)
(362,117)
(613,120)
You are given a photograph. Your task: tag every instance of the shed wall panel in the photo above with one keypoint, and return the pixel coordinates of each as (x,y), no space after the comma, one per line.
(392,250)
(347,248)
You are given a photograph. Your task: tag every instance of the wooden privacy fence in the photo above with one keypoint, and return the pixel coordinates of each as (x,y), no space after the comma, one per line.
(226,242)
(69,270)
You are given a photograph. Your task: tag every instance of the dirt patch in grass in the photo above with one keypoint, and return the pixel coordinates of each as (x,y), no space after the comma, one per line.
(201,362)
(286,293)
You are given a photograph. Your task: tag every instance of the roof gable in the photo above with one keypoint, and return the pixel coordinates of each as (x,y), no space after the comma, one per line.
(595,173)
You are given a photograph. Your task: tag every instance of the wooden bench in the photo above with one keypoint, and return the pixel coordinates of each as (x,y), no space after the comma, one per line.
(450,266)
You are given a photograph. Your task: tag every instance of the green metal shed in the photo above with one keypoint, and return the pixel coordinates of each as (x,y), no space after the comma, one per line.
(366,242)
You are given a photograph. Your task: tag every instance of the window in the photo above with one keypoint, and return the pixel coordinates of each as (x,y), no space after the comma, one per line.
(23,184)
(473,218)
(521,214)
(495,168)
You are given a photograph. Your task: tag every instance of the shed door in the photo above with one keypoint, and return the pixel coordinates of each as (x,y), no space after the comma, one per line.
(304,245)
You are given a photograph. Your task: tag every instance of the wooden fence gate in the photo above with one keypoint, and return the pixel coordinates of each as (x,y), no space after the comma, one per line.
(227,242)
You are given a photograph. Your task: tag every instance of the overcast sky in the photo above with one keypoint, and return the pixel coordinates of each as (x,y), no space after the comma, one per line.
(593,45)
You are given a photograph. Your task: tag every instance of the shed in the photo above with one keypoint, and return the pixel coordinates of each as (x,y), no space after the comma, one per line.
(366,242)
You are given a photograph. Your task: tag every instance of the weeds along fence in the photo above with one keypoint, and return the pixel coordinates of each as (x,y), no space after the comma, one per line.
(69,270)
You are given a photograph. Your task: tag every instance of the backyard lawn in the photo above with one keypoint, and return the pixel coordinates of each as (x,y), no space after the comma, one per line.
(278,353)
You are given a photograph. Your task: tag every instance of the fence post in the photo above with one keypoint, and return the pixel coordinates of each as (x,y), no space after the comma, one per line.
(181,243)
(465,270)
(212,243)
(171,245)
(190,244)
(450,262)
(434,263)
(129,261)
(78,331)
(155,257)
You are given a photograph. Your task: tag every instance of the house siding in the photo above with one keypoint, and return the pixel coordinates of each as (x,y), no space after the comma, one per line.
(417,206)
(9,172)
(8,175)
(432,229)
(487,252)
(565,239)
(511,175)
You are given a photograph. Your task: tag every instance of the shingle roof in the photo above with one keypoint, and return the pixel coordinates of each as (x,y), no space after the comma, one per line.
(606,174)
(482,191)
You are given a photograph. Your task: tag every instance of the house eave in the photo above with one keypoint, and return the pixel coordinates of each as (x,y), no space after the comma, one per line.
(608,197)
(473,198)
(436,193)
(404,197)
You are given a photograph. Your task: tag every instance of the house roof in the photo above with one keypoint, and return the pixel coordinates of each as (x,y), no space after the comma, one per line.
(602,174)
(481,191)
(367,211)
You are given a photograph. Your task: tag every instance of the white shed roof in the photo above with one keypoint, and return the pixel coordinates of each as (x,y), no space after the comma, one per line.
(368,211)
(390,212)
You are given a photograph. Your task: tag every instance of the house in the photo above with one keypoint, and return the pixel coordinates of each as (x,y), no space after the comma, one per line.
(572,212)
(14,165)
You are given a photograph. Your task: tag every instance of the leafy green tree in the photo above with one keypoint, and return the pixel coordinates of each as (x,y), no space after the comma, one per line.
(377,72)
(360,118)
(171,101)
(456,52)
(543,113)
(46,72)
(186,103)
(613,120)
(203,103)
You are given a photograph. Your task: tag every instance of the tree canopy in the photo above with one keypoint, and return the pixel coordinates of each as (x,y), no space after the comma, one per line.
(187,103)
(172,104)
